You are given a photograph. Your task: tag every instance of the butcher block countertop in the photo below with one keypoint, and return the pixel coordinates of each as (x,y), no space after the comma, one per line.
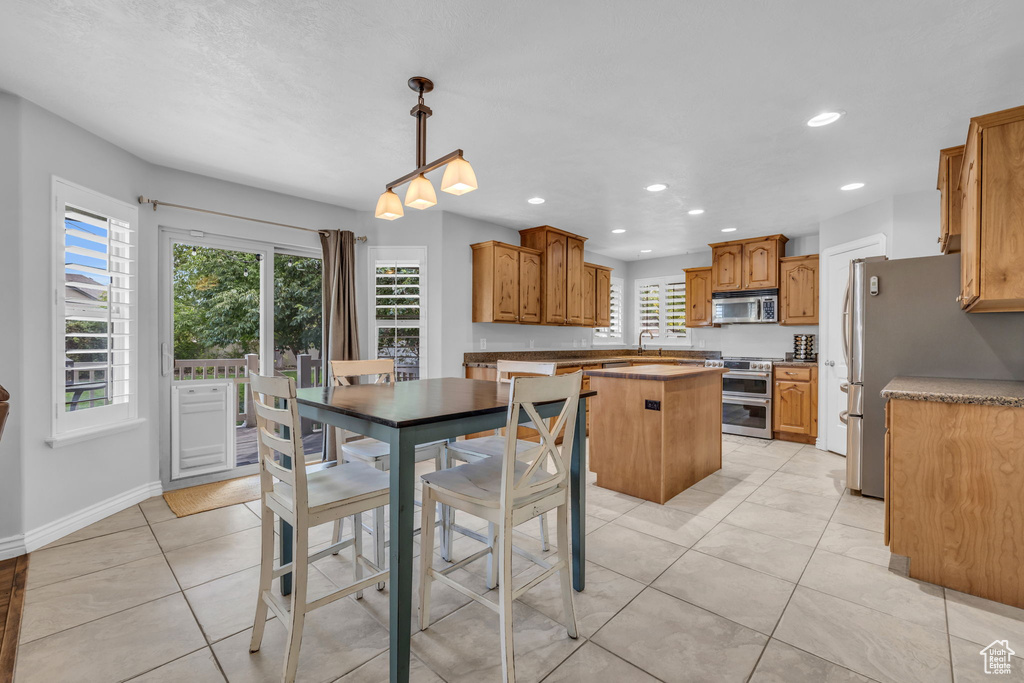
(659,373)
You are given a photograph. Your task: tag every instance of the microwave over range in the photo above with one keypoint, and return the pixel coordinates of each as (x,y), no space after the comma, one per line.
(752,306)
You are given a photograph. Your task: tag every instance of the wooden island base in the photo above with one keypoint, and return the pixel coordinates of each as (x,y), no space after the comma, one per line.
(655,430)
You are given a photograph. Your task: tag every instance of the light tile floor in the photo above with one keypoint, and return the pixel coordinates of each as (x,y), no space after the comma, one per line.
(765,571)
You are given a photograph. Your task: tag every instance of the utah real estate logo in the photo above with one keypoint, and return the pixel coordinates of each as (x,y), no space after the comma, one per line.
(997,657)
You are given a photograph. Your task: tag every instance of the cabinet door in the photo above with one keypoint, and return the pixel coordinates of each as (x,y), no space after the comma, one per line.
(727,268)
(950,215)
(506,284)
(698,298)
(529,287)
(798,285)
(574,288)
(792,409)
(761,264)
(970,224)
(603,306)
(589,295)
(555,261)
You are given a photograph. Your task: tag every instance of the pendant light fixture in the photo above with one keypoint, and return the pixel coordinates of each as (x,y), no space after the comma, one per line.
(458,178)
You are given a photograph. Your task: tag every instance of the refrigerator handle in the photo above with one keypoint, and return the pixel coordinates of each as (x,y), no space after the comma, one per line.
(847,331)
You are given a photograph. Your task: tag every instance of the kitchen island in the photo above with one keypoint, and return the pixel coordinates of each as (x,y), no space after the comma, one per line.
(656,430)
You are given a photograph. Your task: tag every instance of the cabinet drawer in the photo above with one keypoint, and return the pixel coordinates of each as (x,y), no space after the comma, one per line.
(793,374)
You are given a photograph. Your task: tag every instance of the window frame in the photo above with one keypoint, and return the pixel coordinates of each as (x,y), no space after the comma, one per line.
(686,339)
(419,255)
(73,426)
(614,338)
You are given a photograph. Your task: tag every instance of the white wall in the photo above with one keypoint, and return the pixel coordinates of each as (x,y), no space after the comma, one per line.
(915,225)
(12,370)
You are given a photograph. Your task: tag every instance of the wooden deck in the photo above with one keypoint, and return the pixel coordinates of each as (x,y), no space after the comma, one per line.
(245,445)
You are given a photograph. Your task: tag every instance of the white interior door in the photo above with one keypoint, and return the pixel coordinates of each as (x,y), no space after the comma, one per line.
(202,428)
(833,370)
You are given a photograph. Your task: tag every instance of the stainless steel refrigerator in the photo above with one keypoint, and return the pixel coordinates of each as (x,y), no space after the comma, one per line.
(902,318)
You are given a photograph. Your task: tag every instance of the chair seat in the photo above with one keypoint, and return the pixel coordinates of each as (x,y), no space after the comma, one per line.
(346,483)
(371,450)
(481,481)
(489,446)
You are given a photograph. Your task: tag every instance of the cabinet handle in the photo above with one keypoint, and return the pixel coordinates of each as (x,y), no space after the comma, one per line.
(790,373)
(960,298)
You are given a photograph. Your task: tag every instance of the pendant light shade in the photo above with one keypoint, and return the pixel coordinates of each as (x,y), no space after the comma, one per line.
(420,194)
(389,206)
(459,177)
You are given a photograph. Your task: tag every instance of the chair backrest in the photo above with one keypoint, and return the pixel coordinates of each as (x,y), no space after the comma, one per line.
(507,369)
(384,368)
(526,393)
(274,401)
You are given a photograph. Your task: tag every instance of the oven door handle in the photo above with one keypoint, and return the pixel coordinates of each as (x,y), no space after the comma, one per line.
(742,373)
(748,401)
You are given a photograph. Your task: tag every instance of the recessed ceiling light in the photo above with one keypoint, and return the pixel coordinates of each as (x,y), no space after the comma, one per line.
(851,186)
(645,251)
(618,231)
(536,200)
(825,118)
(695,212)
(728,229)
(657,187)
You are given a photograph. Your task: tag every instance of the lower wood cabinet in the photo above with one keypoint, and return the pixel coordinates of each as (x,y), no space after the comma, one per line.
(795,404)
(954,476)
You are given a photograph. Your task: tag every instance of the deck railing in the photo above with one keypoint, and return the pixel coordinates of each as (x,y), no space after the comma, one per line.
(236,369)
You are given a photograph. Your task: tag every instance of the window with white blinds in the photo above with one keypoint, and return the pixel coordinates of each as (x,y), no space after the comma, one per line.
(613,333)
(661,308)
(399,305)
(95,310)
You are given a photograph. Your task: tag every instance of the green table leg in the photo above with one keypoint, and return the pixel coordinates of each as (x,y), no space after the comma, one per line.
(401,556)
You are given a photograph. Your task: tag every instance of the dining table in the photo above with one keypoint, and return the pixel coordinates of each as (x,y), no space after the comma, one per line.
(404,414)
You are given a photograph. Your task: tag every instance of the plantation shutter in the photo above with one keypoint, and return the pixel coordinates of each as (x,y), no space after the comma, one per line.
(649,308)
(399,325)
(674,294)
(614,330)
(96,312)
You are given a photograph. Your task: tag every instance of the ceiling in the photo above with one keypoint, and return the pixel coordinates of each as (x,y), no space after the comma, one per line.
(583,103)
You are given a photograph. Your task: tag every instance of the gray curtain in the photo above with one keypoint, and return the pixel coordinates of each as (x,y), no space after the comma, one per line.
(341,329)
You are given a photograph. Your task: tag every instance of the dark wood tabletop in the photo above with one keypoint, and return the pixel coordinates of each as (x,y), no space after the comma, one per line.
(416,402)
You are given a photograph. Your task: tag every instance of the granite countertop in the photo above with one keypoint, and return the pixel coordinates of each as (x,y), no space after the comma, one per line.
(794,363)
(656,372)
(561,361)
(985,392)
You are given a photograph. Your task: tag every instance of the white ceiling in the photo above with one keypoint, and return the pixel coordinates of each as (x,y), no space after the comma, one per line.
(583,103)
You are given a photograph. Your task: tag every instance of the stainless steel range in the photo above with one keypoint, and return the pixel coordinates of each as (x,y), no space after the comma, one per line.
(746,395)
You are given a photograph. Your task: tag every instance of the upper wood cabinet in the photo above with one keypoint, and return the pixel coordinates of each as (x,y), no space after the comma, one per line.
(698,297)
(562,278)
(603,294)
(798,290)
(589,294)
(950,162)
(747,264)
(727,267)
(992,213)
(506,283)
(761,262)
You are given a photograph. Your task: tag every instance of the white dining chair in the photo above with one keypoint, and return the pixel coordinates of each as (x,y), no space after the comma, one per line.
(506,492)
(473,450)
(304,500)
(372,451)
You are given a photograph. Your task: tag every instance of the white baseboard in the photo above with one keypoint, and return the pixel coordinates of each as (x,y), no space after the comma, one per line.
(12,546)
(48,533)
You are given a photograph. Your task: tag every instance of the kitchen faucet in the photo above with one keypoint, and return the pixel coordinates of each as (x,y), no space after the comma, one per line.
(640,341)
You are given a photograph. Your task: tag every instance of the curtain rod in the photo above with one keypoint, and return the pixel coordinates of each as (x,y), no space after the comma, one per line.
(146,200)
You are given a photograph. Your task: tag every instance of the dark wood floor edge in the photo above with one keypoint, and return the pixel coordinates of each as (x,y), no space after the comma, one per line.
(12,629)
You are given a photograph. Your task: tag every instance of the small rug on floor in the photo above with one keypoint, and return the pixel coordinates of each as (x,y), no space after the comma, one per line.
(219,494)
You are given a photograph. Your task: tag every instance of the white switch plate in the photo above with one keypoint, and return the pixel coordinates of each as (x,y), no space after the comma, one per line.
(700,343)
(483,343)
(531,343)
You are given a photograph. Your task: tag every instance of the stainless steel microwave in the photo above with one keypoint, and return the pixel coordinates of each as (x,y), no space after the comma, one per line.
(753,306)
